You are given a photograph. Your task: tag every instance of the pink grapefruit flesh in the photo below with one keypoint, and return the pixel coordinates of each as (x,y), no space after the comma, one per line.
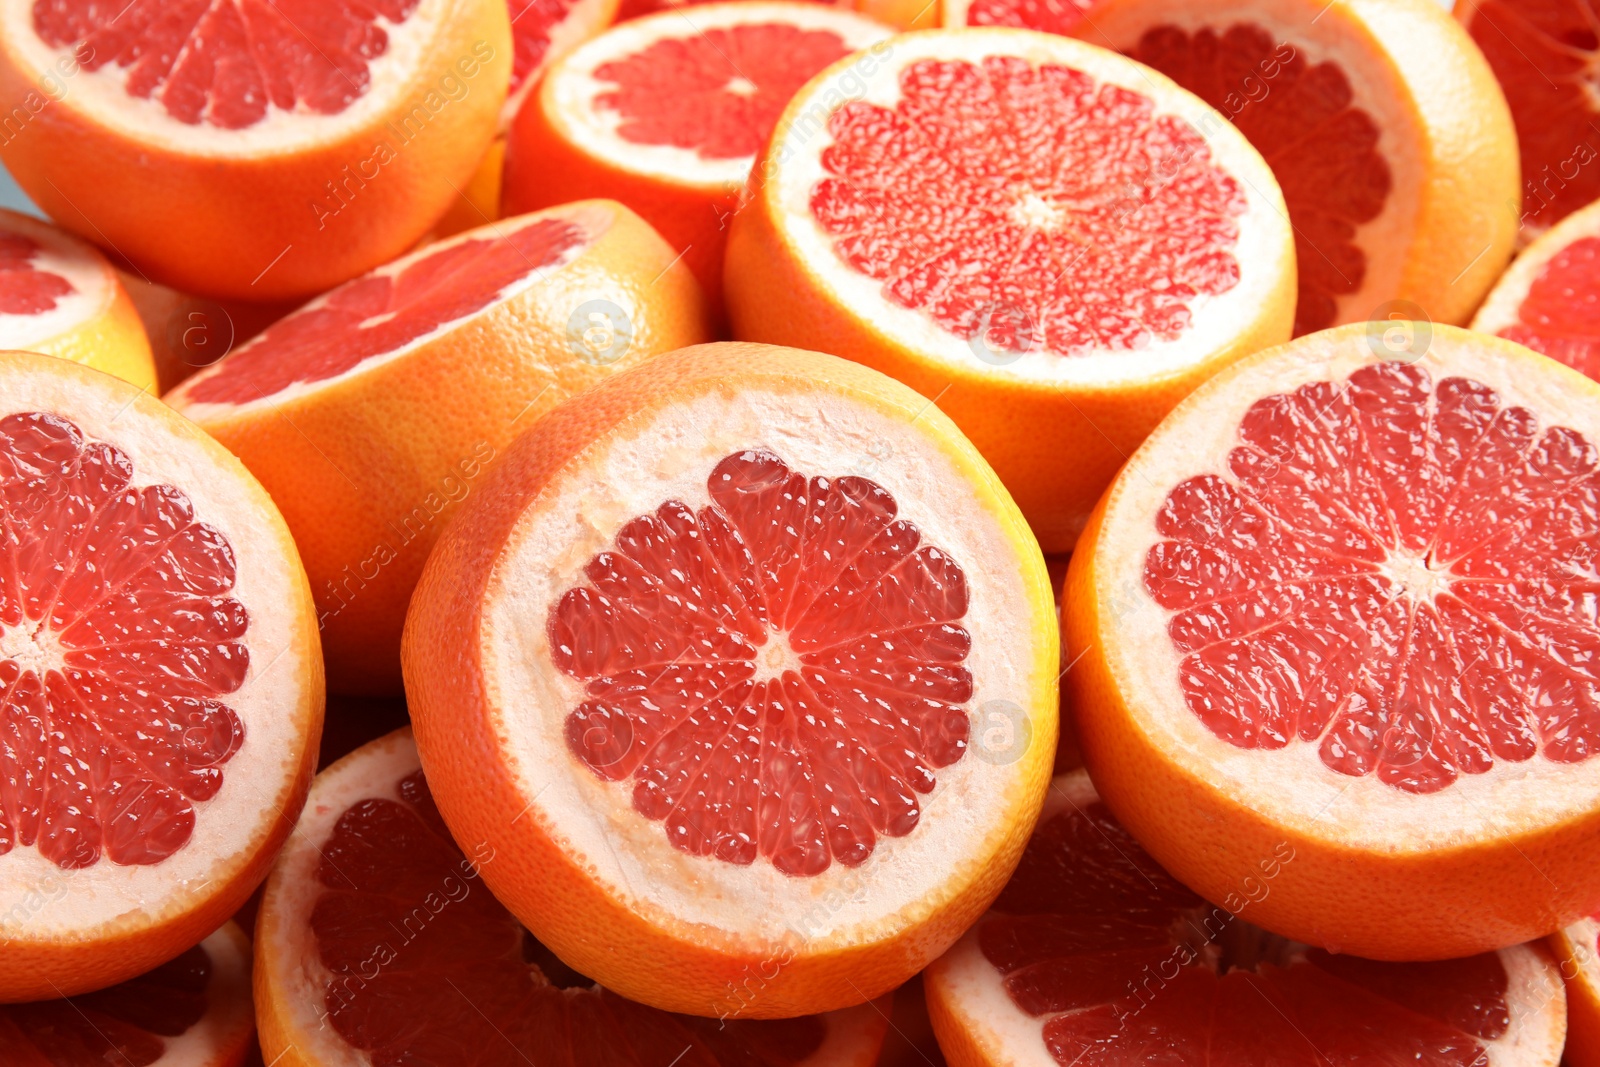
(225,63)
(795,625)
(1408,545)
(1560,315)
(26,287)
(119,645)
(384,311)
(1042,225)
(1049,16)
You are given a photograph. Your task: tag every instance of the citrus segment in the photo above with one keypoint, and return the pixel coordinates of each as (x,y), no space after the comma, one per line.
(374,410)
(160,689)
(1095,955)
(816,611)
(60,297)
(378,876)
(667,113)
(1396,180)
(1360,568)
(192,1011)
(1542,54)
(267,151)
(1547,300)
(755,687)
(1091,243)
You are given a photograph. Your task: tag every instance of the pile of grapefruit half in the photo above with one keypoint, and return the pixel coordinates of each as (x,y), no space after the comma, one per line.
(800,533)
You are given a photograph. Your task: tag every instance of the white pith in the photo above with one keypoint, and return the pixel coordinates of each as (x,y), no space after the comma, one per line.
(591,217)
(568,96)
(1293,783)
(582,21)
(102,96)
(965,980)
(667,454)
(793,168)
(297,979)
(230,1015)
(1500,309)
(1321,32)
(40,902)
(90,275)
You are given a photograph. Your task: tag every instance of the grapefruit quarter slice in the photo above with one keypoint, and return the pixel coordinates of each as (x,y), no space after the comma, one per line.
(666,113)
(261,151)
(371,412)
(160,683)
(380,944)
(192,1011)
(755,722)
(1337,604)
(61,297)
(1091,244)
(1542,53)
(1549,299)
(1383,124)
(1095,956)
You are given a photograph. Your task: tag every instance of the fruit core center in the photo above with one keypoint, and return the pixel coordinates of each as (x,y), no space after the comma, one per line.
(1034,213)
(33,648)
(775,657)
(1417,575)
(740,86)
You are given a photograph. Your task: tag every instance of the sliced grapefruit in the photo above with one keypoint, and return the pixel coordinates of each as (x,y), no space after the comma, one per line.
(262,150)
(193,1011)
(1095,956)
(1091,243)
(1339,602)
(721,687)
(1385,129)
(371,412)
(1543,52)
(667,113)
(60,297)
(187,332)
(379,944)
(1549,299)
(160,687)
(1049,16)
(1577,948)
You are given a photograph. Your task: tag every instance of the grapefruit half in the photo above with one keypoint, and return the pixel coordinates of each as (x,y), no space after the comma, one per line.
(373,411)
(193,1011)
(666,114)
(1097,957)
(1338,602)
(379,944)
(1549,299)
(61,297)
(1050,241)
(160,684)
(262,151)
(755,722)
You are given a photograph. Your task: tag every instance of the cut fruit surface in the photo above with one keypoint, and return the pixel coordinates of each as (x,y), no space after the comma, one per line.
(1549,299)
(667,113)
(748,674)
(60,297)
(1047,16)
(1092,243)
(187,332)
(543,31)
(374,874)
(160,686)
(267,150)
(1357,563)
(371,412)
(1383,125)
(1096,956)
(1577,950)
(1543,53)
(193,1011)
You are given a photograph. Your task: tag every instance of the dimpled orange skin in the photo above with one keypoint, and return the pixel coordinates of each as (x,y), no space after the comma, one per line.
(368,470)
(1440,903)
(1583,1005)
(1056,448)
(673,966)
(48,969)
(247,228)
